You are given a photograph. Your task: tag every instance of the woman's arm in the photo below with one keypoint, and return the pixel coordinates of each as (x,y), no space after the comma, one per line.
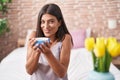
(59,67)
(33,54)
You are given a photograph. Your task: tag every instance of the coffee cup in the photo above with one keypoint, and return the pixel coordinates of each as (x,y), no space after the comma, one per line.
(41,40)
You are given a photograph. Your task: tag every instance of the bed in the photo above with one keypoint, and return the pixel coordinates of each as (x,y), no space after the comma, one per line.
(12,67)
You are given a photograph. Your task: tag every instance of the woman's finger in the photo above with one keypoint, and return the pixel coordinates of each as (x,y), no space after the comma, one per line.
(34,47)
(38,50)
(43,47)
(32,42)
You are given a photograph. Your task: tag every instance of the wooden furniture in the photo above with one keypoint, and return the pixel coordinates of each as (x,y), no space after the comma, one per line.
(116,62)
(21,42)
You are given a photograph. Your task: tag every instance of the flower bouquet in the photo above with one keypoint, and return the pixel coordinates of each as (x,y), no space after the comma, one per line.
(103,50)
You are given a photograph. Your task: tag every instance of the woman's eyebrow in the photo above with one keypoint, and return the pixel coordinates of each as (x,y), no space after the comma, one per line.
(47,19)
(51,19)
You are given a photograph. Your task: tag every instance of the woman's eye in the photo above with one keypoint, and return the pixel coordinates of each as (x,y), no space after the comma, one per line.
(42,22)
(51,21)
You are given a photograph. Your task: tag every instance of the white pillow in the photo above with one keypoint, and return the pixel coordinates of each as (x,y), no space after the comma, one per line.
(88,32)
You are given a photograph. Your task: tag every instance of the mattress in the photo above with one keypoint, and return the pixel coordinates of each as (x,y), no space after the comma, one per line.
(12,67)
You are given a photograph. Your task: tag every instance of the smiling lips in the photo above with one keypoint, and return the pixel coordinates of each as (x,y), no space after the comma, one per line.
(47,31)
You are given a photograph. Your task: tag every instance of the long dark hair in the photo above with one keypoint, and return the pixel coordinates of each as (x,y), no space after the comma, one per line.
(54,10)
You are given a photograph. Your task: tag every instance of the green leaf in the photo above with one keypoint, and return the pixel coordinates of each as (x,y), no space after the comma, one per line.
(10,1)
(4,7)
(0,7)
(94,59)
(109,59)
(105,59)
(101,65)
(4,1)
(3,26)
(97,64)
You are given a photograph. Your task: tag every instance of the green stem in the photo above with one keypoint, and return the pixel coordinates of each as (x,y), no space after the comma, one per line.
(94,59)
(108,61)
(105,59)
(101,65)
(97,64)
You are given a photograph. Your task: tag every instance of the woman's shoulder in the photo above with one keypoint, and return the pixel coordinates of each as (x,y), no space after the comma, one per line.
(67,41)
(67,37)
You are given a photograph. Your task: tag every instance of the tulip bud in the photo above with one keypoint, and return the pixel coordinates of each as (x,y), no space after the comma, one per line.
(99,48)
(113,47)
(89,43)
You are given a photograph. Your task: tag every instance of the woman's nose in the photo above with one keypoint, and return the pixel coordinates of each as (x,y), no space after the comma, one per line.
(46,25)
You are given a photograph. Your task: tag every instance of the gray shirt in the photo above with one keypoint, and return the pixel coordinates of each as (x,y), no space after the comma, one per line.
(45,72)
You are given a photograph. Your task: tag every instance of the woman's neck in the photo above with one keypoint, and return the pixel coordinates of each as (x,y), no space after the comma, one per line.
(53,41)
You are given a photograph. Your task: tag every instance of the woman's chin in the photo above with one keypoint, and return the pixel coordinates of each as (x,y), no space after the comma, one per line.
(47,35)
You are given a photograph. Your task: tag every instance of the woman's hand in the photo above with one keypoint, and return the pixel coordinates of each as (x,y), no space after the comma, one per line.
(33,54)
(35,48)
(45,48)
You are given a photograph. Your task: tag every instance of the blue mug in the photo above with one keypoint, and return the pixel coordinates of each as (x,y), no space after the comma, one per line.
(41,40)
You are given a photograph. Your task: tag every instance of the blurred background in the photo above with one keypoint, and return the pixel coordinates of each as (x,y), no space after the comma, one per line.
(102,16)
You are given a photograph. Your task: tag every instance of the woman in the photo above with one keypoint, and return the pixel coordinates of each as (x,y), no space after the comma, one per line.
(51,60)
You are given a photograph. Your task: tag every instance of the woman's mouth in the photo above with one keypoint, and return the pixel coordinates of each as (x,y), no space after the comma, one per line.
(47,31)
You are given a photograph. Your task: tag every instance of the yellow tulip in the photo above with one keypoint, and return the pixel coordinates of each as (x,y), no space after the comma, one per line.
(111,39)
(99,48)
(100,40)
(119,48)
(118,45)
(104,49)
(89,43)
(113,49)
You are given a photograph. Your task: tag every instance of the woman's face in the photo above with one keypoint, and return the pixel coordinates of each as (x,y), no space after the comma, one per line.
(49,25)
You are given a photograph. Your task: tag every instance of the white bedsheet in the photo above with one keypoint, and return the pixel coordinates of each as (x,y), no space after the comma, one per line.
(81,65)
(13,66)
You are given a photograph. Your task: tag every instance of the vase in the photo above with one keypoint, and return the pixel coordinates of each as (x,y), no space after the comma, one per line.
(94,75)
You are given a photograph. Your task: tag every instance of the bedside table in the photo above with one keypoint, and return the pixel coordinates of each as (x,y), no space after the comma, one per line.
(116,62)
(21,42)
